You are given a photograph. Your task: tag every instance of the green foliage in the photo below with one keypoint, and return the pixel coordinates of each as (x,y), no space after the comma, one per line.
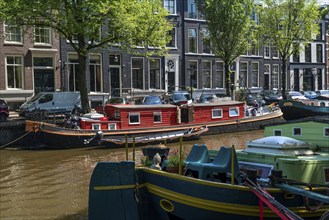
(287,25)
(231,29)
(126,23)
(174,158)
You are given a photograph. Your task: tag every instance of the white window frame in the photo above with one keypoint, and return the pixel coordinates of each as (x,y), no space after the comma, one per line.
(110,125)
(294,133)
(143,69)
(236,109)
(134,114)
(97,57)
(72,56)
(210,72)
(196,40)
(252,74)
(267,49)
(159,114)
(174,6)
(277,130)
(6,28)
(149,73)
(96,127)
(175,39)
(44,37)
(220,71)
(276,75)
(21,65)
(217,110)
(324,132)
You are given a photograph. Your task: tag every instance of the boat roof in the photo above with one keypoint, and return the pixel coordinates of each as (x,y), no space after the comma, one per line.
(277,142)
(224,103)
(320,119)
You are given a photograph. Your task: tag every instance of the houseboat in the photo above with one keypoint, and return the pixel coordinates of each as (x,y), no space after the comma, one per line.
(313,130)
(147,123)
(296,109)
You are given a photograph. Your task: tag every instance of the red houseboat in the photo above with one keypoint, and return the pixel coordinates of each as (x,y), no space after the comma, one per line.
(149,123)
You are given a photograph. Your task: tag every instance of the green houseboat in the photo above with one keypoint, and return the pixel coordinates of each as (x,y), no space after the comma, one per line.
(312,130)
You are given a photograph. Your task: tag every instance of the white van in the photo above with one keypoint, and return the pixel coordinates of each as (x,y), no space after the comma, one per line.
(52,102)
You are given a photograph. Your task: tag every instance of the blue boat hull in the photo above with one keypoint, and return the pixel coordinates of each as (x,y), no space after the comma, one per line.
(116,188)
(296,110)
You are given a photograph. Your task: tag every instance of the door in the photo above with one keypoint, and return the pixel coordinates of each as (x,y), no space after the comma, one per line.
(44,81)
(115,80)
(171,81)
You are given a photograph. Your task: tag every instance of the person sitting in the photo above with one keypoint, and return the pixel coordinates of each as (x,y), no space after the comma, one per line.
(255,108)
(156,162)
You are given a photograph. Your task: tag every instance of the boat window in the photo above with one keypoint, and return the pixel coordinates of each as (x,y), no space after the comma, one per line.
(157,117)
(326,132)
(322,104)
(297,131)
(111,126)
(277,132)
(96,127)
(117,114)
(134,118)
(234,112)
(217,113)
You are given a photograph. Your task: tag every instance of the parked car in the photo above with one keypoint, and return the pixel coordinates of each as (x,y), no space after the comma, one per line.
(271,96)
(178,98)
(310,94)
(117,101)
(4,110)
(255,96)
(151,100)
(206,98)
(296,95)
(52,102)
(324,93)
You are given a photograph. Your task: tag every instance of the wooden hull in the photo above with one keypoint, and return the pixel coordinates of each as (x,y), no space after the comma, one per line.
(152,194)
(296,110)
(54,136)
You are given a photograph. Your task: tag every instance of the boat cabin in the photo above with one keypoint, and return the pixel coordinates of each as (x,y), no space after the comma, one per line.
(119,117)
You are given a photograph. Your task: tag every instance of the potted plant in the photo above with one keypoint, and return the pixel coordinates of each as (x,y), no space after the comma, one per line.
(172,163)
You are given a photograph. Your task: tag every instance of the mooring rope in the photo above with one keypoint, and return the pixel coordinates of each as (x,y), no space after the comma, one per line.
(3,146)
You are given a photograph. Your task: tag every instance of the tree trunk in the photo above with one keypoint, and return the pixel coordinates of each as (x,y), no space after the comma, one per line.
(82,85)
(283,78)
(228,79)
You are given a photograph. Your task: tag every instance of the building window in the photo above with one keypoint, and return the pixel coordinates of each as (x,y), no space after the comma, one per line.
(96,127)
(193,73)
(157,117)
(267,51)
(191,9)
(13,33)
(155,74)
(44,76)
(172,42)
(117,114)
(219,75)
(233,112)
(275,52)
(134,118)
(95,73)
(308,53)
(14,66)
(277,132)
(217,113)
(137,73)
(254,74)
(297,131)
(73,71)
(111,126)
(205,41)
(326,132)
(243,74)
(275,76)
(170,5)
(42,35)
(206,74)
(254,51)
(192,40)
(319,53)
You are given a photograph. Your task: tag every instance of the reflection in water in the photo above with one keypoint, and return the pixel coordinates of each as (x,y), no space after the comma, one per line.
(54,184)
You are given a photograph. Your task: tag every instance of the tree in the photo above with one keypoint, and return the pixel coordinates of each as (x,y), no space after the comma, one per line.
(128,23)
(287,25)
(230,29)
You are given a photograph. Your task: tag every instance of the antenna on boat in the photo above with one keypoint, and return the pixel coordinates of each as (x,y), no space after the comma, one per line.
(98,136)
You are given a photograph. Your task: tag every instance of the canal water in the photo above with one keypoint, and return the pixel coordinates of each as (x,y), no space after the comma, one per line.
(54,184)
